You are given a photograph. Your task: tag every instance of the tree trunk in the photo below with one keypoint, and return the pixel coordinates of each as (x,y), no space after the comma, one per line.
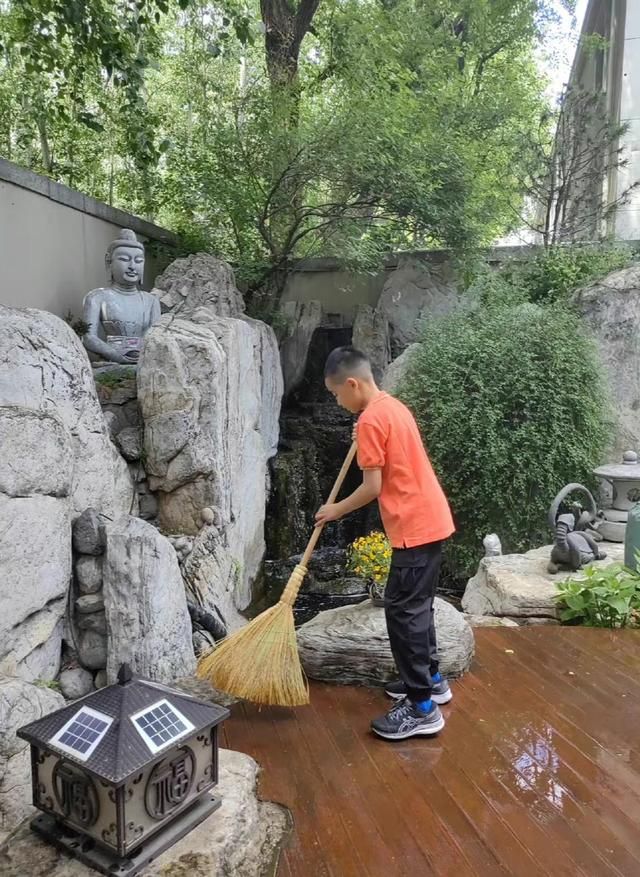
(286,26)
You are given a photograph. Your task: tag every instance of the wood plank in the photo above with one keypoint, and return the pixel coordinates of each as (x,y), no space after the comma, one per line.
(525,738)
(536,773)
(586,779)
(401,805)
(605,718)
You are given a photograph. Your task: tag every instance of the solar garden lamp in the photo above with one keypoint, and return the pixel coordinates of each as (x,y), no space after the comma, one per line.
(125,772)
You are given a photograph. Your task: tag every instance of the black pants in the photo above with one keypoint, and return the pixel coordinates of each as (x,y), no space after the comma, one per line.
(408,600)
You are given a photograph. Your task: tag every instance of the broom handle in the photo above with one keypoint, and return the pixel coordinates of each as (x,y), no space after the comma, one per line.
(295,580)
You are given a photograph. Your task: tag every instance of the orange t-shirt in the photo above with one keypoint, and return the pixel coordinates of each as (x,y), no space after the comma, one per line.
(413,506)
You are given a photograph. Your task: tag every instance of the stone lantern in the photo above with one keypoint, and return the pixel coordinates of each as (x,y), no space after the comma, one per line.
(625,480)
(124,773)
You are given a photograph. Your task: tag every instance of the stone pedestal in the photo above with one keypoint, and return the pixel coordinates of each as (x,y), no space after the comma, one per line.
(350,645)
(518,586)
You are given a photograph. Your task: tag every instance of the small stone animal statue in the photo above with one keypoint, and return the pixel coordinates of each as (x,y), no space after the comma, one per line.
(492,545)
(572,549)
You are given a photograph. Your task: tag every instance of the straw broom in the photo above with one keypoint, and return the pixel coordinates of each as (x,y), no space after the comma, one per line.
(260,662)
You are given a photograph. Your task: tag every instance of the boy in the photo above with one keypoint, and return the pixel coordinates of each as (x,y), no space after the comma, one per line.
(416,516)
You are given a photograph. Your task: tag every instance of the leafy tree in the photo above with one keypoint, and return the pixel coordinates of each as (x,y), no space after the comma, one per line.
(565,164)
(281,131)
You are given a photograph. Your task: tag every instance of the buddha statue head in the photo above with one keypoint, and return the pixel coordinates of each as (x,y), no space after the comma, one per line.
(124,260)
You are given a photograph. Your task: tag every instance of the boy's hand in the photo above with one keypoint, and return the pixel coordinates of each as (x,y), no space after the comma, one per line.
(327,513)
(354,432)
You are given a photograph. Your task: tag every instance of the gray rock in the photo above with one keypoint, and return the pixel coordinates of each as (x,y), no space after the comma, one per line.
(415,292)
(20,703)
(116,385)
(44,368)
(76,683)
(89,574)
(242,838)
(350,644)
(92,650)
(112,423)
(40,637)
(147,617)
(372,335)
(208,516)
(396,370)
(89,533)
(489,621)
(520,586)
(210,393)
(148,507)
(203,642)
(101,680)
(129,441)
(327,575)
(198,281)
(37,454)
(303,318)
(211,575)
(90,603)
(611,309)
(96,622)
(35,569)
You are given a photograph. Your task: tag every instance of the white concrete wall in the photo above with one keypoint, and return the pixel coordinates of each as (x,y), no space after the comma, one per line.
(51,253)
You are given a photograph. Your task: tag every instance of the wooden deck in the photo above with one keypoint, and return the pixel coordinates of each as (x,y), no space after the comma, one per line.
(536,774)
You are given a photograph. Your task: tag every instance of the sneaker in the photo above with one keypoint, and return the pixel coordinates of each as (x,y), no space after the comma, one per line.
(440,693)
(405,720)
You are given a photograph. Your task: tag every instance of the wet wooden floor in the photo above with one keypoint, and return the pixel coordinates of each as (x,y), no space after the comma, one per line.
(536,774)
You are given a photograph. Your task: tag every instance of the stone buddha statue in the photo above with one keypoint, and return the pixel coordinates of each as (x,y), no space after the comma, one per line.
(119,315)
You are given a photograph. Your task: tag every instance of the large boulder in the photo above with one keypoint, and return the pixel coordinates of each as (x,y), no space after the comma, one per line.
(350,645)
(44,368)
(302,320)
(33,583)
(519,585)
(371,335)
(396,370)
(210,389)
(196,281)
(20,703)
(417,290)
(56,460)
(242,838)
(611,309)
(148,623)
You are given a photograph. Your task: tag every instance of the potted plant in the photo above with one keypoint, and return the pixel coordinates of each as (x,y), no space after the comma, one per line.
(369,557)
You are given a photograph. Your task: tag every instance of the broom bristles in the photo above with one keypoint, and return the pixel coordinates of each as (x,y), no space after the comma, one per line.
(260,662)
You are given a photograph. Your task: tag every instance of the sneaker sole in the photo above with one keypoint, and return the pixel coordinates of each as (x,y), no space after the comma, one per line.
(440,699)
(416,732)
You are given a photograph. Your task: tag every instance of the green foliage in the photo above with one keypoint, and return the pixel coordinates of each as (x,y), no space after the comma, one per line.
(566,159)
(52,684)
(553,274)
(607,597)
(511,406)
(113,379)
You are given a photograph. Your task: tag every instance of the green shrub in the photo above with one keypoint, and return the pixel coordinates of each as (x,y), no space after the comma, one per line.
(552,275)
(511,406)
(608,597)
(115,378)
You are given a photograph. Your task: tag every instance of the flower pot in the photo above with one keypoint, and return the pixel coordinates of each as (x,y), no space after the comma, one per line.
(376,594)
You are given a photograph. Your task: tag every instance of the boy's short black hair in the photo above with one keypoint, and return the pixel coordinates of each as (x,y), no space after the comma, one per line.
(346,361)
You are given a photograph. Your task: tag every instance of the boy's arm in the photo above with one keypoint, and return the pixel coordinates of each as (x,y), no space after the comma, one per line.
(366,493)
